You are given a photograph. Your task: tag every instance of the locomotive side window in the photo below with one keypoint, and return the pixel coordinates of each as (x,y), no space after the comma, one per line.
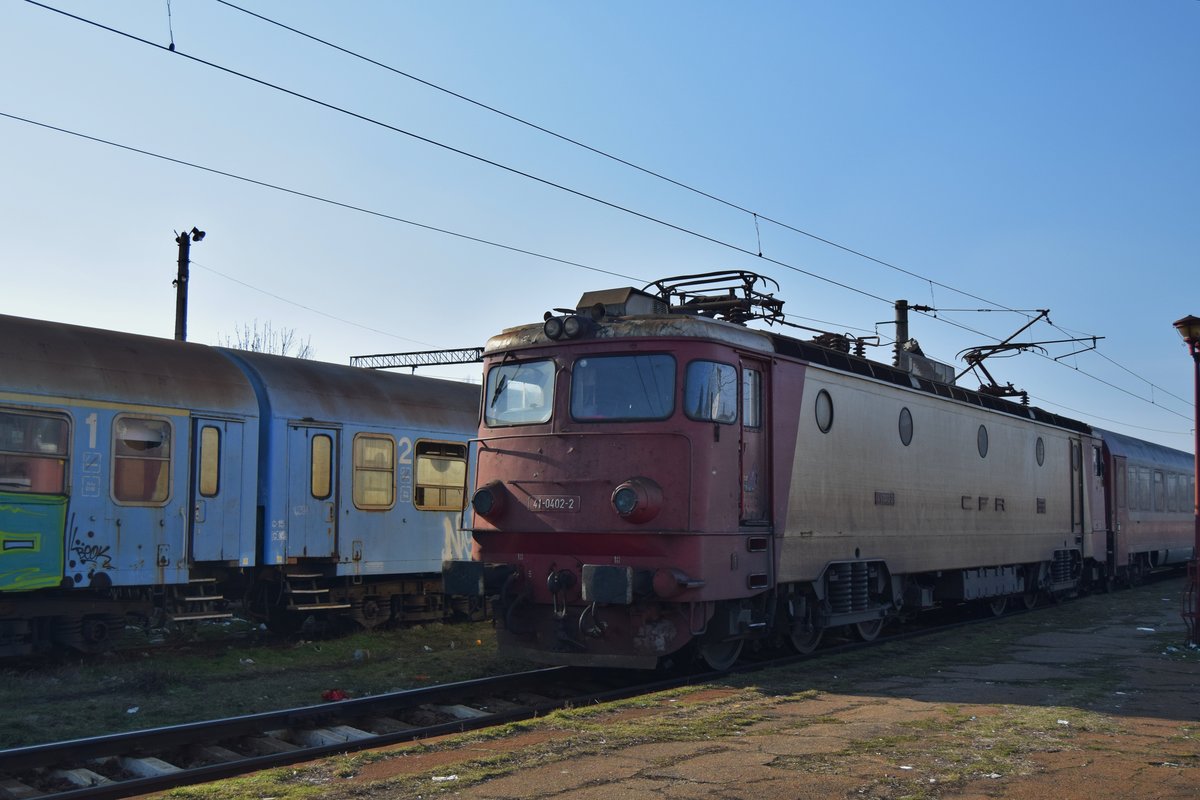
(710,392)
(374,472)
(33,453)
(519,394)
(141,460)
(1039,451)
(321,469)
(824,409)
(751,398)
(441,476)
(906,427)
(981,441)
(623,388)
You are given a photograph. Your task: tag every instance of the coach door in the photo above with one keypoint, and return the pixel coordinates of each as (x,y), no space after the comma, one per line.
(755,471)
(312,491)
(1077,487)
(216,490)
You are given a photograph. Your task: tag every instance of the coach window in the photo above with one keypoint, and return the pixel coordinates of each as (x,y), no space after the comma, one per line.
(622,387)
(710,392)
(824,411)
(141,460)
(210,461)
(374,472)
(1160,497)
(441,476)
(519,393)
(33,453)
(981,441)
(1143,489)
(906,427)
(1172,491)
(321,475)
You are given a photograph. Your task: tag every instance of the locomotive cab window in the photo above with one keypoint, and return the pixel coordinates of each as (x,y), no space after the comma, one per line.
(711,392)
(374,472)
(623,387)
(141,461)
(519,393)
(441,476)
(33,453)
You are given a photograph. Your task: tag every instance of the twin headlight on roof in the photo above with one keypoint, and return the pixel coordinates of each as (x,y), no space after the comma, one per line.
(571,325)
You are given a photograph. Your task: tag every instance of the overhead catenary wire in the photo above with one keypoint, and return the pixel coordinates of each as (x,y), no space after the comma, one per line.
(756,215)
(440,230)
(562,187)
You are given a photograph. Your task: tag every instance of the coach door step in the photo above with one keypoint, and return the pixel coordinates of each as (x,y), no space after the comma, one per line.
(198,604)
(304,594)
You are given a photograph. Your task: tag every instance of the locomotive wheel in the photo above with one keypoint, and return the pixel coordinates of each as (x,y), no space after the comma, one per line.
(868,631)
(805,642)
(997,605)
(720,656)
(1029,600)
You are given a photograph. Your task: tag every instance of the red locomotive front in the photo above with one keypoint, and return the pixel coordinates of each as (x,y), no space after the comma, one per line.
(623,478)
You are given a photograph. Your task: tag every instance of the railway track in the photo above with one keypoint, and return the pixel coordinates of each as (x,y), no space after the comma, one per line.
(137,762)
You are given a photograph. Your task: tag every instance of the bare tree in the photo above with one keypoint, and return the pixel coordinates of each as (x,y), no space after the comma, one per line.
(282,342)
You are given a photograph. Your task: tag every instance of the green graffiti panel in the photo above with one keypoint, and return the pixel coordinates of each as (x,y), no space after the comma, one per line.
(31,537)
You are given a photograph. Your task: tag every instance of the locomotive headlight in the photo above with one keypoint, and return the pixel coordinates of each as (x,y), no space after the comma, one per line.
(488,501)
(574,326)
(637,500)
(553,328)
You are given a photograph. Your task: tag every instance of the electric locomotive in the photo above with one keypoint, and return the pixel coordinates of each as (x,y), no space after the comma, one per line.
(661,482)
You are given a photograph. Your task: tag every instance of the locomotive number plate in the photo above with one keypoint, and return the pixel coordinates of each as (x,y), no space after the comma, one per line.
(554,502)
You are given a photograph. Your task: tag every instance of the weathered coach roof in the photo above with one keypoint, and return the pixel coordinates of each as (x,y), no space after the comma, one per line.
(304,389)
(1147,452)
(52,359)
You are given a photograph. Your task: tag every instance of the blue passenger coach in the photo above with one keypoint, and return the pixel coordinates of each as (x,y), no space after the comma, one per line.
(107,442)
(156,477)
(361,486)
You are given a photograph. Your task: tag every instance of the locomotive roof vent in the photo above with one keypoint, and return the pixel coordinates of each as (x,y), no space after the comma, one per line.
(624,302)
(925,367)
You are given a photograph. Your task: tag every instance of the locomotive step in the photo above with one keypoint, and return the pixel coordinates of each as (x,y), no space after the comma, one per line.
(203,598)
(195,617)
(318,607)
(296,576)
(308,591)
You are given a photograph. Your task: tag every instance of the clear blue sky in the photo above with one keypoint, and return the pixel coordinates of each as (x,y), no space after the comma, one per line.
(1032,154)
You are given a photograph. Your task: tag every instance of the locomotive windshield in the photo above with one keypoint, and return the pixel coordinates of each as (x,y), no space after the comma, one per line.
(519,393)
(623,387)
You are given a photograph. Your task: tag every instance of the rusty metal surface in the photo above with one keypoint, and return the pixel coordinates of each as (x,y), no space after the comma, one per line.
(68,361)
(656,327)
